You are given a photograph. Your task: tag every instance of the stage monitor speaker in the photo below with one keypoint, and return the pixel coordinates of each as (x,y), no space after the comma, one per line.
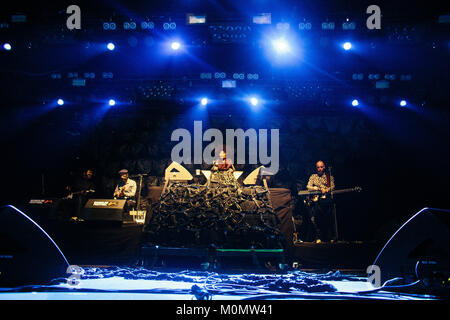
(28,255)
(424,239)
(103,210)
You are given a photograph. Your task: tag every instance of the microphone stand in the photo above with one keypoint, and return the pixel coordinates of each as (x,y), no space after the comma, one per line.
(334,208)
(138,204)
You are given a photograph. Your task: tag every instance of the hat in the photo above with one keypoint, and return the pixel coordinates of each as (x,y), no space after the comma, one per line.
(123,171)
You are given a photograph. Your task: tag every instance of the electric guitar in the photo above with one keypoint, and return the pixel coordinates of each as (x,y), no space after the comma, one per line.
(315,195)
(119,192)
(70,196)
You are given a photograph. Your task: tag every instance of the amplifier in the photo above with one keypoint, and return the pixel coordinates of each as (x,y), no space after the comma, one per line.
(103,210)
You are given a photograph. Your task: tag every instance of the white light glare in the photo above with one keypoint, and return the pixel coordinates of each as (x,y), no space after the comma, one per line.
(175,45)
(281,46)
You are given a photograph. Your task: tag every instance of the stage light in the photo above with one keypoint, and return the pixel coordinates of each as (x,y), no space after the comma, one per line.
(254,101)
(228,83)
(111,46)
(175,45)
(403,103)
(194,19)
(204,101)
(281,46)
(355,103)
(112,102)
(7,46)
(263,18)
(347,46)
(60,102)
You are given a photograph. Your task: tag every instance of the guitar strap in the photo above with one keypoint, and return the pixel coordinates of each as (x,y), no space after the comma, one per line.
(328,180)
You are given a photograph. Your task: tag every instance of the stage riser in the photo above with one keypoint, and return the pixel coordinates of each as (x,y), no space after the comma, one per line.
(208,259)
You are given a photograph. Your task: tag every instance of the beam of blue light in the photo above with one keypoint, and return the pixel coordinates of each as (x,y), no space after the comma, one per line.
(111,46)
(355,103)
(7,46)
(347,46)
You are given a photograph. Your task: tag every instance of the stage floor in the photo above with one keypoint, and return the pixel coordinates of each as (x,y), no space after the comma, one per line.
(114,283)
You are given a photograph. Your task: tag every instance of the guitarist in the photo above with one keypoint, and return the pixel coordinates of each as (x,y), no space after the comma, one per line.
(79,191)
(321,207)
(126,188)
(83,184)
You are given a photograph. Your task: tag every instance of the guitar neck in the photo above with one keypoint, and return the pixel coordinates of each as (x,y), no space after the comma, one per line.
(313,193)
(343,190)
(87,191)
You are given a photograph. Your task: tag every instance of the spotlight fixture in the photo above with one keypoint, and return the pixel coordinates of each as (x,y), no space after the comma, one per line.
(7,46)
(204,101)
(112,102)
(60,102)
(254,101)
(111,46)
(355,103)
(403,103)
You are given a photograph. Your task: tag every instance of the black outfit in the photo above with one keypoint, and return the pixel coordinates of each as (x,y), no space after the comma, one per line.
(321,215)
(81,184)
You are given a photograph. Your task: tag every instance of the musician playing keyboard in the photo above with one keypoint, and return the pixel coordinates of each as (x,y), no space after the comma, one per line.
(321,208)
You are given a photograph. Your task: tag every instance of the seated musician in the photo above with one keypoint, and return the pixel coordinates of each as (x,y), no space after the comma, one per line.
(321,208)
(126,188)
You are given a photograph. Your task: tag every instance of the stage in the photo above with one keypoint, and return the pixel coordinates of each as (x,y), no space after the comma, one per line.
(115,259)
(124,283)
(109,243)
(244,150)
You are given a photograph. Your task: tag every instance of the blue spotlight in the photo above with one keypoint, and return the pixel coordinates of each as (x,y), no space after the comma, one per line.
(112,102)
(7,46)
(175,45)
(403,103)
(254,101)
(281,46)
(347,46)
(60,102)
(204,101)
(111,46)
(355,103)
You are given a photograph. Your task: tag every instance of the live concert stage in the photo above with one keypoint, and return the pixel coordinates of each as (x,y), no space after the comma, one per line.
(224,150)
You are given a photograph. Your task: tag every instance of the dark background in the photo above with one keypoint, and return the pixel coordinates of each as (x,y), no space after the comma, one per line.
(399,156)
